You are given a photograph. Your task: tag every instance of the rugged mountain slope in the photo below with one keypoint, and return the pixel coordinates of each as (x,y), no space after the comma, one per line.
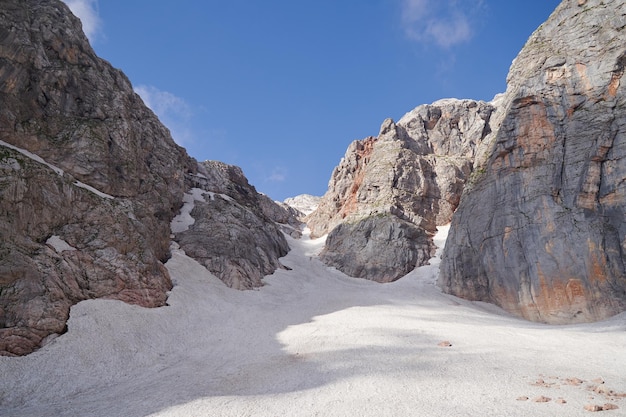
(90,180)
(542,231)
(234,232)
(389,192)
(63,104)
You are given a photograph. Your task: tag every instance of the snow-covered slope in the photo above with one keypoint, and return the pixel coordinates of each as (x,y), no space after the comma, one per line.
(313,342)
(305,203)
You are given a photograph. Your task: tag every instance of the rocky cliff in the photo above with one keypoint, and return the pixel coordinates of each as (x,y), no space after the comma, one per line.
(234,231)
(90,180)
(542,230)
(389,192)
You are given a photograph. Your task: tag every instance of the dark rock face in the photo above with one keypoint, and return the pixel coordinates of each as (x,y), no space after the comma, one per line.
(232,233)
(542,230)
(62,244)
(377,248)
(410,177)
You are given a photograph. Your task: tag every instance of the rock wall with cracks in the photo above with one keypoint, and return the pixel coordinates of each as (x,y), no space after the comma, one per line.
(550,244)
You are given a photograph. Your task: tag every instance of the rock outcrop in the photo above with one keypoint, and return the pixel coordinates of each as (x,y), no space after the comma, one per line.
(380,248)
(235,231)
(541,232)
(389,192)
(90,180)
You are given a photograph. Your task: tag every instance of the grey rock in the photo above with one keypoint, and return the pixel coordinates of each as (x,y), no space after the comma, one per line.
(381,248)
(285,216)
(414,170)
(541,230)
(233,235)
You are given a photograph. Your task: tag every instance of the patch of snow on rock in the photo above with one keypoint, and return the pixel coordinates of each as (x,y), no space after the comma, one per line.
(93,190)
(34,157)
(182,221)
(59,244)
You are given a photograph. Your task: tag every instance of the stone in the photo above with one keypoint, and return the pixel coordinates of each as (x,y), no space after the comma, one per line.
(593,407)
(602,389)
(542,399)
(541,227)
(382,248)
(574,381)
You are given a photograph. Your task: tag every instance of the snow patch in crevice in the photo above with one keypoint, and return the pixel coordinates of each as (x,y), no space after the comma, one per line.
(58,244)
(93,190)
(34,157)
(183,220)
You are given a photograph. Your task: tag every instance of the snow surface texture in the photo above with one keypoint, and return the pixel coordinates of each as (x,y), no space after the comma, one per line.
(313,342)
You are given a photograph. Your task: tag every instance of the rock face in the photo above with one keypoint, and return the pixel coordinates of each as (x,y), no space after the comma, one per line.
(232,233)
(93,220)
(381,248)
(542,230)
(391,191)
(89,182)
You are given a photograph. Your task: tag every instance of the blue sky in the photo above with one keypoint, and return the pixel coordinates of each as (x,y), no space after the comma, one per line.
(281,87)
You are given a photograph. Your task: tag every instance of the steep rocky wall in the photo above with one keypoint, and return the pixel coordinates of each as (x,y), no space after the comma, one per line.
(73,109)
(542,231)
(405,181)
(89,178)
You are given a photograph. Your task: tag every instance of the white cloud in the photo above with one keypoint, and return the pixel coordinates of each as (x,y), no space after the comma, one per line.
(443,22)
(87,12)
(173,111)
(279,174)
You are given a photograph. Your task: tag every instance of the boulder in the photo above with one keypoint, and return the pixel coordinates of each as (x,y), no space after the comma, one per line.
(381,248)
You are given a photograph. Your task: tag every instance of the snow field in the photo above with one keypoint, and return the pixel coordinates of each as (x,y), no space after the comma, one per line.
(313,342)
